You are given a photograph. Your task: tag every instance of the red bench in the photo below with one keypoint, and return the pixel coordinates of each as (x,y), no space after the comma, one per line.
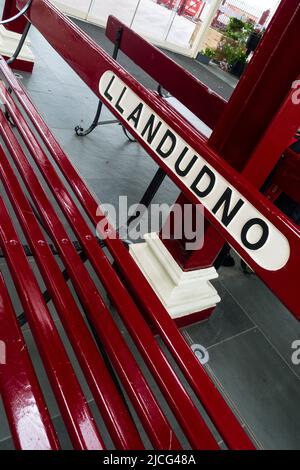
(100,348)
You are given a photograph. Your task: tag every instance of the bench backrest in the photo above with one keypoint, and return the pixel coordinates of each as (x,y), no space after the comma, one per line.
(137,306)
(131,294)
(198,98)
(131,103)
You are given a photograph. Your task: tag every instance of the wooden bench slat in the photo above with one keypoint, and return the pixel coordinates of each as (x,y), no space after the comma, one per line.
(121,427)
(76,414)
(181,403)
(21,393)
(93,65)
(287,175)
(135,384)
(221,415)
(203,102)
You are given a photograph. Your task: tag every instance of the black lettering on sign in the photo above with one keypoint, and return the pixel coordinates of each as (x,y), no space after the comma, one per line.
(136,115)
(188,167)
(108,96)
(225,201)
(151,130)
(118,103)
(172,141)
(205,171)
(264,236)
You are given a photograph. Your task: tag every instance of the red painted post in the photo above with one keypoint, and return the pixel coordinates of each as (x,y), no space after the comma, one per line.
(25,61)
(257,99)
(9,10)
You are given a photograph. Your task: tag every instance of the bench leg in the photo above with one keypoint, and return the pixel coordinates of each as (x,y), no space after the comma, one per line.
(150,191)
(82,133)
(23,38)
(13,38)
(96,122)
(146,200)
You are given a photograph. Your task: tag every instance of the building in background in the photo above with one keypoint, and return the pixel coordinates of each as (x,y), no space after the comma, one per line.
(242,10)
(188,8)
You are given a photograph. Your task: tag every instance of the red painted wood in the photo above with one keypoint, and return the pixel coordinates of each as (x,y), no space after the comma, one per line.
(275,141)
(135,384)
(118,421)
(129,371)
(188,320)
(282,282)
(263,88)
(75,412)
(203,102)
(22,65)
(216,407)
(20,391)
(287,175)
(10,9)
(256,100)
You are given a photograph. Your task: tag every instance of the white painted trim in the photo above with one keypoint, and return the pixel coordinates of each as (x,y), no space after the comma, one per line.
(182,293)
(9,42)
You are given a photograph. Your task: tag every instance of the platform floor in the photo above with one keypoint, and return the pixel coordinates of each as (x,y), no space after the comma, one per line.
(249,336)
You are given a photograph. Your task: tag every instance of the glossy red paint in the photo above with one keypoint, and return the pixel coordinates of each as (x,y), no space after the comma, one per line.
(23,65)
(258,97)
(283,282)
(82,56)
(262,90)
(128,368)
(20,391)
(215,405)
(9,10)
(287,175)
(203,102)
(122,430)
(275,141)
(136,386)
(75,412)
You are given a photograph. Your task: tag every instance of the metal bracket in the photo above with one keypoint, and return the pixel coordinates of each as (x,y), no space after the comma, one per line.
(15,55)
(18,15)
(96,121)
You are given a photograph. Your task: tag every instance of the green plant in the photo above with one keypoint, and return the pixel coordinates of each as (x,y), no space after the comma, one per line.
(232,47)
(239,30)
(208,52)
(230,53)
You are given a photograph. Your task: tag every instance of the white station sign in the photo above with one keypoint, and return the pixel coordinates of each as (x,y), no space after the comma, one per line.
(264,243)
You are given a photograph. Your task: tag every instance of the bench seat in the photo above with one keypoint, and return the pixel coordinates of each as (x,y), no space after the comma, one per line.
(26,170)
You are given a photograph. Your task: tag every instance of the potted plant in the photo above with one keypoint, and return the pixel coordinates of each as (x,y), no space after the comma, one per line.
(232,49)
(205,55)
(238,62)
(253,40)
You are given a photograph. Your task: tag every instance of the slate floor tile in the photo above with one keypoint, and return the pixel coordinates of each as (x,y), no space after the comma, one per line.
(260,386)
(261,306)
(227,320)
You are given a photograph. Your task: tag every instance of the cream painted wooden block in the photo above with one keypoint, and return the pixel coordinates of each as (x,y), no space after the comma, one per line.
(182,293)
(9,42)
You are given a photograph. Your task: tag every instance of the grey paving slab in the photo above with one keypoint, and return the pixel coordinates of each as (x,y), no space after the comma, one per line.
(250,333)
(260,386)
(4,428)
(7,444)
(277,324)
(227,321)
